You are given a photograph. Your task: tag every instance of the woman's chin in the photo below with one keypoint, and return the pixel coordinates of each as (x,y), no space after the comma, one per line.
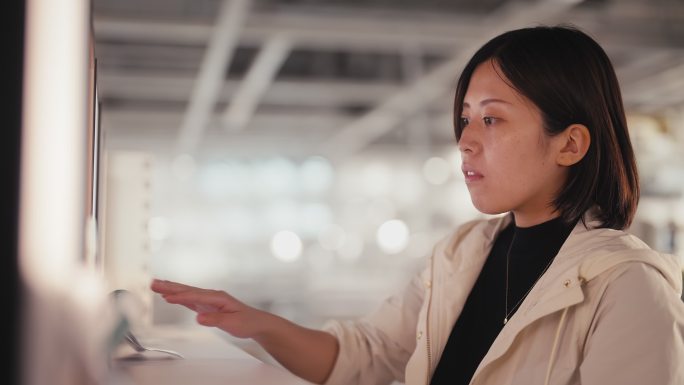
(489,209)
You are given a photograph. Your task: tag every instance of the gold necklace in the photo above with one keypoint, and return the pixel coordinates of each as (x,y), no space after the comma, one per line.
(507,313)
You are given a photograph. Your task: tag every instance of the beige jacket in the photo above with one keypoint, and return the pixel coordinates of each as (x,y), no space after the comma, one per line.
(607,311)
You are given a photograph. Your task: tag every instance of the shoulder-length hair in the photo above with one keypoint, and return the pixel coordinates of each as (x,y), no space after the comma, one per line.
(569,77)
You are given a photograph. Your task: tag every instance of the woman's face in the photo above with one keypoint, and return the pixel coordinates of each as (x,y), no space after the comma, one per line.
(509,163)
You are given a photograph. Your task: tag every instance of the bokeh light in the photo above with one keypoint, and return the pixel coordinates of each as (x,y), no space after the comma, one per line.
(392,236)
(286,246)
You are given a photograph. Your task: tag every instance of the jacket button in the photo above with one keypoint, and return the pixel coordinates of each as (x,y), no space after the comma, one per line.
(567,283)
(428,284)
(419,335)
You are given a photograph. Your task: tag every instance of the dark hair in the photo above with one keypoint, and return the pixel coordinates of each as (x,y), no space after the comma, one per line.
(569,77)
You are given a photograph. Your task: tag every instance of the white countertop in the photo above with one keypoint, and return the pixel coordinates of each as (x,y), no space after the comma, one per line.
(209,359)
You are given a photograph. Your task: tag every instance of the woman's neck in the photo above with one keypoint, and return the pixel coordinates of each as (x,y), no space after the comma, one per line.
(529,220)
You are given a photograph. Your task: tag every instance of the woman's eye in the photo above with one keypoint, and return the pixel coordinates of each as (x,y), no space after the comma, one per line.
(464,121)
(488,120)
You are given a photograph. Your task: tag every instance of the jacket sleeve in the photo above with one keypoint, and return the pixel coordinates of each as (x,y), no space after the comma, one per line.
(637,334)
(376,348)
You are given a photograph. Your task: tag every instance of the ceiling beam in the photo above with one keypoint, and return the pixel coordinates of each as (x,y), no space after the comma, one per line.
(243,104)
(222,44)
(435,32)
(324,31)
(436,83)
(664,87)
(156,86)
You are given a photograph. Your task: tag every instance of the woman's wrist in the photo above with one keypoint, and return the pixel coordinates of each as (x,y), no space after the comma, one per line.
(269,328)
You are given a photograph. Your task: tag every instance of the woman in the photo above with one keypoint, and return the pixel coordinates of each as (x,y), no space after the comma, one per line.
(554,292)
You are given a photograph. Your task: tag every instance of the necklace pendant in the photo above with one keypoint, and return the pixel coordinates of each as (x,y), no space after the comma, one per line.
(505,320)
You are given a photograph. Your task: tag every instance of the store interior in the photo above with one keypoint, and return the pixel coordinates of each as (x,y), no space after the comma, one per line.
(300,154)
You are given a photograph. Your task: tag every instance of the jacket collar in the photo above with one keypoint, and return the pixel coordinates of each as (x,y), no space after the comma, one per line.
(586,253)
(557,289)
(467,255)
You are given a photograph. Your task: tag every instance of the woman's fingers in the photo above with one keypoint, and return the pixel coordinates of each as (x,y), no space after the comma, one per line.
(214,308)
(204,301)
(190,306)
(168,287)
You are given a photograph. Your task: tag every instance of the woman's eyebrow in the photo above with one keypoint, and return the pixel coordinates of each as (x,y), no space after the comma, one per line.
(487,101)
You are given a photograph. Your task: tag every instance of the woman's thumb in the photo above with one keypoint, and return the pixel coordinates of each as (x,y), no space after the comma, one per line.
(208,319)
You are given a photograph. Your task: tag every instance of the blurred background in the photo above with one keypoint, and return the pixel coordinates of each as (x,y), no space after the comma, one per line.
(300,154)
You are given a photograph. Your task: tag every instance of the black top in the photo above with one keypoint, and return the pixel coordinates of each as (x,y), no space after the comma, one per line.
(483,313)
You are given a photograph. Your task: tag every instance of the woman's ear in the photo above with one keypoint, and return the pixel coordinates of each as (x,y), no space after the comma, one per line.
(576,141)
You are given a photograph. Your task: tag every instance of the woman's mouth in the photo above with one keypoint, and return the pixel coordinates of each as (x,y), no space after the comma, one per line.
(472,176)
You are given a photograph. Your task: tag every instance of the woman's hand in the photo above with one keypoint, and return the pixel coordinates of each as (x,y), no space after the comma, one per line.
(215,308)
(308,353)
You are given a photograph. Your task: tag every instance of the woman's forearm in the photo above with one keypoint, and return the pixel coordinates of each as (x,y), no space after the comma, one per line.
(308,353)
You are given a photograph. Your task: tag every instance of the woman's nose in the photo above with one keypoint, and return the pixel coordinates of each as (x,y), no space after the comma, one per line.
(467,142)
